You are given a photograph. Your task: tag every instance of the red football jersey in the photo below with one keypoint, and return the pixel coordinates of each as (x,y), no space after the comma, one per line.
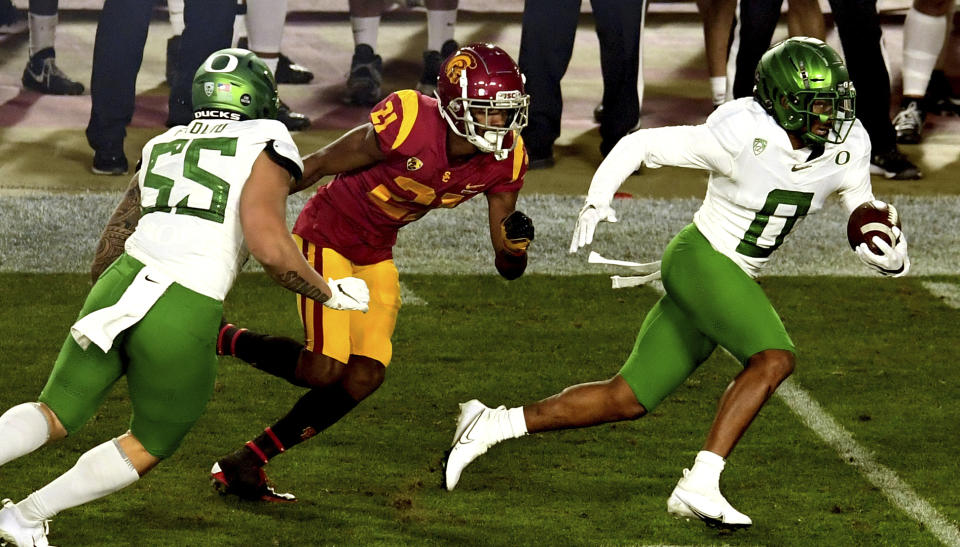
(359,212)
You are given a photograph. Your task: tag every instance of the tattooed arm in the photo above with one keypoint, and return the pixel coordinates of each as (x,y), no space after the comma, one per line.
(119,227)
(263,206)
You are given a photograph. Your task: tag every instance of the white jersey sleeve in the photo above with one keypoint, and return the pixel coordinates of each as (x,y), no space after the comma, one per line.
(684,146)
(190,184)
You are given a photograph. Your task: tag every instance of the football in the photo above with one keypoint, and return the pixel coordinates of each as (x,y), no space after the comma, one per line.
(872,219)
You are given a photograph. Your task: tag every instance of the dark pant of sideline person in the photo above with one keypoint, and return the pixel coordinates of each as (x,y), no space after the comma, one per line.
(546,46)
(118,53)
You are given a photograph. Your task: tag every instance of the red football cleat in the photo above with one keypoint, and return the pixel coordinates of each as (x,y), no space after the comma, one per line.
(232,482)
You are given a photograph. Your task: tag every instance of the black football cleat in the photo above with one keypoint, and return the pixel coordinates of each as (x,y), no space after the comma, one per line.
(366,75)
(294,121)
(289,72)
(42,75)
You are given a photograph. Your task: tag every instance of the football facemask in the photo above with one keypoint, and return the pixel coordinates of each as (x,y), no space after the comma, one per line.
(833,110)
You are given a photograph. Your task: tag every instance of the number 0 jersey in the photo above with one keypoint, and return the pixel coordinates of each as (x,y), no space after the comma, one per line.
(191,178)
(759,186)
(359,213)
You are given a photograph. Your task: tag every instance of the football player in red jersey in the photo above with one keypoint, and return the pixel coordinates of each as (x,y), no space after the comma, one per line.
(417,153)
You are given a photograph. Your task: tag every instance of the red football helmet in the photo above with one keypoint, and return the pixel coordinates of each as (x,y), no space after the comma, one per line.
(480,78)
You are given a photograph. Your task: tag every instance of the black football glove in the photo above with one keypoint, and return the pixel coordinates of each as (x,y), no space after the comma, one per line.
(517,231)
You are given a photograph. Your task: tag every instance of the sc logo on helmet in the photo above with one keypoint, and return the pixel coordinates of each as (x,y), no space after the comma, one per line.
(456,66)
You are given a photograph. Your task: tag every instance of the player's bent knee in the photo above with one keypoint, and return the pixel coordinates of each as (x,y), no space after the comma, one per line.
(624,399)
(775,364)
(363,376)
(57,431)
(318,370)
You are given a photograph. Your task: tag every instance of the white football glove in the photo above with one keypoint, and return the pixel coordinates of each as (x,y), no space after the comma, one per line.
(892,261)
(348,293)
(590,215)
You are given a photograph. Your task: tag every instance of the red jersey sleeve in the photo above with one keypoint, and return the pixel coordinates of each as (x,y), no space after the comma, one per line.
(399,122)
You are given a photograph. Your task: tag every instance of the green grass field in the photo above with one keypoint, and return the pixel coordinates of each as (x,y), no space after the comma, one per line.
(875,354)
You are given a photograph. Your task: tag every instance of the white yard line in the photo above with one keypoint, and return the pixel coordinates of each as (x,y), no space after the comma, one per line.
(880,476)
(410,298)
(949,292)
(883,478)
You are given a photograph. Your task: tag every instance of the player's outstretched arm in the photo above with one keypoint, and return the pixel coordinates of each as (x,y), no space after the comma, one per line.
(511,233)
(263,206)
(356,148)
(121,224)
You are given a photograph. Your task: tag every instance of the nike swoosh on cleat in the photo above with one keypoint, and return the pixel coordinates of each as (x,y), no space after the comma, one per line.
(465,438)
(799,167)
(699,513)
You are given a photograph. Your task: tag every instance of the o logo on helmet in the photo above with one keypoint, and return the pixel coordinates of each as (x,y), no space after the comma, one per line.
(456,66)
(231,63)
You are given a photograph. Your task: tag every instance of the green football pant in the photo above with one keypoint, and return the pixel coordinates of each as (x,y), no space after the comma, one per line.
(709,301)
(168,357)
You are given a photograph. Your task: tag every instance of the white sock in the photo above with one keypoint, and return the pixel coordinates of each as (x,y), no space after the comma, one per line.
(518,424)
(102,470)
(23,428)
(365,30)
(440,27)
(706,470)
(43,29)
(271,63)
(265,20)
(509,424)
(175,9)
(718,89)
(923,37)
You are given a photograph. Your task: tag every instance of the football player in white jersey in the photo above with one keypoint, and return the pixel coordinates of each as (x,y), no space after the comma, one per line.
(773,158)
(206,193)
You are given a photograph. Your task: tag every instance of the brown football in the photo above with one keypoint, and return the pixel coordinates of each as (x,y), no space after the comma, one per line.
(872,219)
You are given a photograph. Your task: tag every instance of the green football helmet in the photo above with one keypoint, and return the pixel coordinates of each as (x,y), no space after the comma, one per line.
(234,84)
(802,80)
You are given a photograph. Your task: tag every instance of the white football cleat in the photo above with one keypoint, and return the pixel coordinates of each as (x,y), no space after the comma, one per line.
(18,532)
(472,438)
(707,504)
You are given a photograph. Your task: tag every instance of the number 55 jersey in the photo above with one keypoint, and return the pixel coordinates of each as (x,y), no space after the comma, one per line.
(359,212)
(191,178)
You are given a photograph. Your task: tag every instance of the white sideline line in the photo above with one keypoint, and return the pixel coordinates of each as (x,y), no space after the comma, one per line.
(882,477)
(410,298)
(949,292)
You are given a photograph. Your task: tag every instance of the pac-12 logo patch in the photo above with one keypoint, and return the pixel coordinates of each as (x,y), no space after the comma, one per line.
(759,145)
(208,88)
(413,164)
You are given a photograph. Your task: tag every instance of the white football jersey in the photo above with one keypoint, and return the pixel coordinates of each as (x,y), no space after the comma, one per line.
(759,186)
(191,178)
